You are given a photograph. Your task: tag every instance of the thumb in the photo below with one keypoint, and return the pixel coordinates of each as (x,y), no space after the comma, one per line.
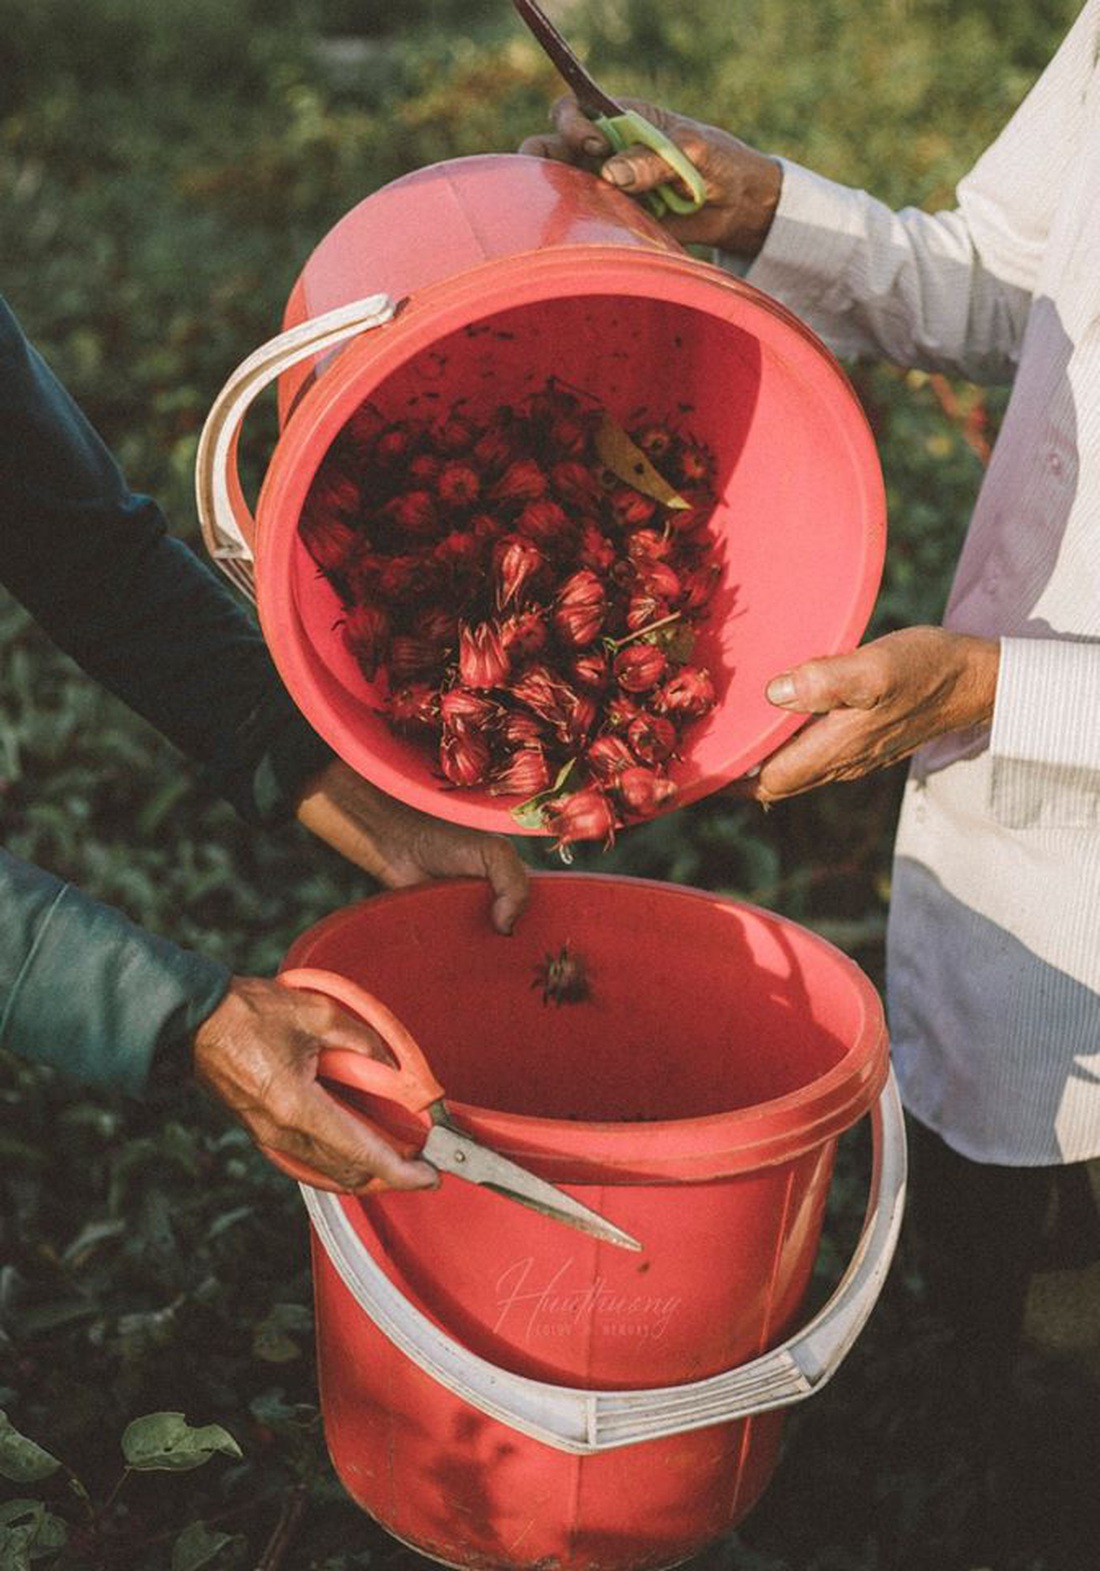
(636,170)
(818,686)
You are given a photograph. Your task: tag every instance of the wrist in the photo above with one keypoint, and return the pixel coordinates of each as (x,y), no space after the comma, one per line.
(981,660)
(751,221)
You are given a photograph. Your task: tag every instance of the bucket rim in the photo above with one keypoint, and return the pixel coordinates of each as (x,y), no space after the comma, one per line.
(767,1133)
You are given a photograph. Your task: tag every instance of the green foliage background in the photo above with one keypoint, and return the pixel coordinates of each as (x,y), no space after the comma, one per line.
(164,171)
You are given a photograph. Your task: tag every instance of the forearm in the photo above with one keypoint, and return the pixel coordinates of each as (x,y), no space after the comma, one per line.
(93,563)
(86,991)
(909,286)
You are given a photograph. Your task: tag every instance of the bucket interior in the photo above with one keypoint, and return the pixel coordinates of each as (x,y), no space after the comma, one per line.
(796,528)
(616,1000)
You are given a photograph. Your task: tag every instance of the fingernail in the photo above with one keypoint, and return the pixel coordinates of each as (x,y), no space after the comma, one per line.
(619,174)
(751,774)
(595,145)
(780,690)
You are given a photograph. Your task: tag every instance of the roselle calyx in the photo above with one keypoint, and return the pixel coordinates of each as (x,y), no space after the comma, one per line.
(582,815)
(516,561)
(576,485)
(459,706)
(414,708)
(452,434)
(652,738)
(631,508)
(608,756)
(458,484)
(643,791)
(660,580)
(524,480)
(594,549)
(688,694)
(545,694)
(621,712)
(525,774)
(523,635)
(648,545)
(391,446)
(547,524)
(330,540)
(464,756)
(411,657)
(482,659)
(639,667)
(521,730)
(698,585)
(580,608)
(367,633)
(413,513)
(591,670)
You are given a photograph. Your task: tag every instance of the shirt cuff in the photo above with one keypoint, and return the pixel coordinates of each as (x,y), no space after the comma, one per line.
(817,227)
(272,760)
(87,992)
(1045,738)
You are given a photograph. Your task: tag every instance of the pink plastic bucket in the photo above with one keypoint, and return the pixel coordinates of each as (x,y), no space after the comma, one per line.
(694,1097)
(486,276)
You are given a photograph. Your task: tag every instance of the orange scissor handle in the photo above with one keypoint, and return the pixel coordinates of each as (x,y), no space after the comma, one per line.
(408,1082)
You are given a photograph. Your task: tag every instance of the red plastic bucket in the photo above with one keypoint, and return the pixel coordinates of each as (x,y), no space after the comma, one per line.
(484,277)
(507,1392)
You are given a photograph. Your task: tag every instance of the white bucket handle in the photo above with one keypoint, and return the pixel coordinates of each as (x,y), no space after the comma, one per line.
(223,512)
(583,1422)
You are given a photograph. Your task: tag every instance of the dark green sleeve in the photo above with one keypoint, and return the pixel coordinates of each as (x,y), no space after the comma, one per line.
(86,991)
(138,610)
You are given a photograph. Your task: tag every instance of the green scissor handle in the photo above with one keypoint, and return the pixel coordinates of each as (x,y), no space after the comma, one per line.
(628,128)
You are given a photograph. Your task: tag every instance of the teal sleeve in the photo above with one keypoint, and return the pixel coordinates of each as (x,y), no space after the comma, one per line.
(86,991)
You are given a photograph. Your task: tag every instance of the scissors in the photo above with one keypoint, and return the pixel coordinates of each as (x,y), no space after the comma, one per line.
(622,127)
(409,1084)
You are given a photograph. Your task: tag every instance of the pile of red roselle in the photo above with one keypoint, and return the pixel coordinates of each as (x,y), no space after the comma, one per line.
(522,589)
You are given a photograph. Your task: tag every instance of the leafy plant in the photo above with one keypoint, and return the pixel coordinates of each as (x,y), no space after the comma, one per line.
(33,1534)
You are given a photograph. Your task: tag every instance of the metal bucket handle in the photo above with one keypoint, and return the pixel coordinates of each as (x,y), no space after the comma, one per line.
(227,523)
(583,1422)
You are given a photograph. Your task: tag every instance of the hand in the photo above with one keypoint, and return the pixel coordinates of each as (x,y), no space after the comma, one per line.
(258,1053)
(399,845)
(875,706)
(742,185)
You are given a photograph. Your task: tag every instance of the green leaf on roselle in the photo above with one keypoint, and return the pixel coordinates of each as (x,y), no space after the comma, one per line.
(166,1441)
(629,464)
(28,1531)
(197,1547)
(22,1461)
(530,813)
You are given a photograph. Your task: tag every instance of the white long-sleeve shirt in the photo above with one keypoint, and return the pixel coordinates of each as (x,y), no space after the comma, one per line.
(993,961)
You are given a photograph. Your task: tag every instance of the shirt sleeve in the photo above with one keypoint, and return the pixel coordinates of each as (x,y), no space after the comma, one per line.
(140,612)
(904,286)
(1044,743)
(87,992)
(947,291)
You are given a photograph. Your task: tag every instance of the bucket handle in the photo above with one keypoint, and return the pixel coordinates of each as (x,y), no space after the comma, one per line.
(227,524)
(583,1422)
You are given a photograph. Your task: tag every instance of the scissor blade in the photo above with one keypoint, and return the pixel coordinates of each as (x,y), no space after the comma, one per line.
(455,1153)
(587,91)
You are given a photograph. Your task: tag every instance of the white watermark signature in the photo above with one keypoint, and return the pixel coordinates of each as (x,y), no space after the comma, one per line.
(554,1307)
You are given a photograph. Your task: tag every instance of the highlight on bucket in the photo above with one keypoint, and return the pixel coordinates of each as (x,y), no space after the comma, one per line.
(551,502)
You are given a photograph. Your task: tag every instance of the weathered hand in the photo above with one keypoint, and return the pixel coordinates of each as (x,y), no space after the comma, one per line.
(742,185)
(258,1053)
(399,845)
(875,706)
